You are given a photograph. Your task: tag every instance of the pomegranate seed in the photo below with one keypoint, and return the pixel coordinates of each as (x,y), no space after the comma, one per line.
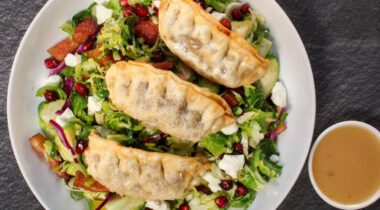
(238,148)
(155,11)
(87,46)
(226,23)
(124,3)
(204,189)
(81,89)
(245,8)
(221,201)
(158,56)
(140,10)
(226,184)
(127,12)
(50,63)
(237,14)
(81,147)
(51,95)
(184,206)
(241,190)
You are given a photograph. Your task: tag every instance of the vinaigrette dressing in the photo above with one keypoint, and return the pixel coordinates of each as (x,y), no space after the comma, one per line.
(346,164)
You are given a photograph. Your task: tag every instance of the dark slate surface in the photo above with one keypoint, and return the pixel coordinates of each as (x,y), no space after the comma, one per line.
(343,42)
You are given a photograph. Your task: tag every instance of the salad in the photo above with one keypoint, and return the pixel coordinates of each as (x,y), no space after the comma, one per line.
(244,156)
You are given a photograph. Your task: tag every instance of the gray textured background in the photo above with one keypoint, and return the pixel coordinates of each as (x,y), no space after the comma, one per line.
(342,38)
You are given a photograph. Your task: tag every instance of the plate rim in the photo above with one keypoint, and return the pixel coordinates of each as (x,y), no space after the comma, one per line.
(287,20)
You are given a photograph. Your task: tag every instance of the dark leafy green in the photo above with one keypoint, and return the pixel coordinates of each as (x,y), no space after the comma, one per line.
(68,71)
(217,143)
(243,201)
(99,88)
(79,107)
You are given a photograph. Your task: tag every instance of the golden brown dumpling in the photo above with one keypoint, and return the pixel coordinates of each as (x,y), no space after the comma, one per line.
(161,100)
(205,45)
(142,174)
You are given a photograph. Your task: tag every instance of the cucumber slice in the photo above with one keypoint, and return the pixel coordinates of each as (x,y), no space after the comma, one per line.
(267,82)
(127,203)
(243,28)
(63,151)
(46,112)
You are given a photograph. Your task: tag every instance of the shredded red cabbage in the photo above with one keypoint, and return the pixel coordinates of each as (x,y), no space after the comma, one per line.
(68,86)
(282,111)
(66,105)
(272,134)
(80,49)
(62,136)
(58,69)
(104,202)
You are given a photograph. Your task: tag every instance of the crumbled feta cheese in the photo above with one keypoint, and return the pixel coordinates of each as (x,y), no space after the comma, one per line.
(244,142)
(72,60)
(102,14)
(230,129)
(195,203)
(157,205)
(156,3)
(102,1)
(94,105)
(279,95)
(274,158)
(53,80)
(231,164)
(218,15)
(64,118)
(213,183)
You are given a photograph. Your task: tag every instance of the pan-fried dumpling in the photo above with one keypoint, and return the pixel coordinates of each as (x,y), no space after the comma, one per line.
(161,100)
(142,174)
(207,46)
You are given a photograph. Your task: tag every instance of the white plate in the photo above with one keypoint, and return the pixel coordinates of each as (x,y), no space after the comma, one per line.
(28,72)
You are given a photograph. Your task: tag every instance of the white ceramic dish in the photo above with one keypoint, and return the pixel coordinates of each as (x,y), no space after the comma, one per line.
(28,72)
(360,205)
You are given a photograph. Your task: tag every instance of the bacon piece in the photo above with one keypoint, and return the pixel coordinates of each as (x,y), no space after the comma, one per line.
(55,166)
(37,143)
(62,48)
(94,53)
(230,98)
(107,59)
(147,30)
(281,128)
(165,65)
(84,30)
(82,182)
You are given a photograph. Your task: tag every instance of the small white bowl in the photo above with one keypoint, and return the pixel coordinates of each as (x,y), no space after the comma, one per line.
(360,205)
